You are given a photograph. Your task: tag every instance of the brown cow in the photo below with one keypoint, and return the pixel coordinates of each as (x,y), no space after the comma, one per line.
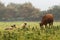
(47,19)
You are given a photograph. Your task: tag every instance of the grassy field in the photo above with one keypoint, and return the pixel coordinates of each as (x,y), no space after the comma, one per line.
(32,32)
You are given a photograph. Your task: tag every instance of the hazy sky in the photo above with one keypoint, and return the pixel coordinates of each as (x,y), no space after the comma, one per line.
(41,4)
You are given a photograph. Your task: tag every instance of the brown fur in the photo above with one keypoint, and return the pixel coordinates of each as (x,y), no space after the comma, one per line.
(47,19)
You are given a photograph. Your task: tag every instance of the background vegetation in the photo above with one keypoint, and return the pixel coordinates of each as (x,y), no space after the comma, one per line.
(26,12)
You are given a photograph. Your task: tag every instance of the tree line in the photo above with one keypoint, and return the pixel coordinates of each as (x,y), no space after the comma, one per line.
(25,12)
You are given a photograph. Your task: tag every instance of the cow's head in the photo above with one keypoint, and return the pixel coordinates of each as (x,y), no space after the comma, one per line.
(41,24)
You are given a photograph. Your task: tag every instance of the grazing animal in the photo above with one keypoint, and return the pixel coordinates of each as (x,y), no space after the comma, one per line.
(11,28)
(47,19)
(24,25)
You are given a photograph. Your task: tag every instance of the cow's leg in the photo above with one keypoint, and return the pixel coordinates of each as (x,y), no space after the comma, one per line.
(50,25)
(45,25)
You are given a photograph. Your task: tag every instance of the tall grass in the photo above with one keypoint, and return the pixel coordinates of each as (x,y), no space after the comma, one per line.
(34,32)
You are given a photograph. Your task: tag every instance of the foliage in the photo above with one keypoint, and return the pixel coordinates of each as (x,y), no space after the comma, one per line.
(26,12)
(34,32)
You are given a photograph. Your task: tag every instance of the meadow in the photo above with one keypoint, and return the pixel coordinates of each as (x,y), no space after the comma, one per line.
(31,32)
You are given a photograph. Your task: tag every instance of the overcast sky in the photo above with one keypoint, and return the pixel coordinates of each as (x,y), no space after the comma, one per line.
(41,4)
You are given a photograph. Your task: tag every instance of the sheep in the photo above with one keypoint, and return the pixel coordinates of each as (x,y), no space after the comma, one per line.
(11,28)
(23,25)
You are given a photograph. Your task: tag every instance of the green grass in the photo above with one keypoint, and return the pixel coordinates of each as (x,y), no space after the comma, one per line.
(34,32)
